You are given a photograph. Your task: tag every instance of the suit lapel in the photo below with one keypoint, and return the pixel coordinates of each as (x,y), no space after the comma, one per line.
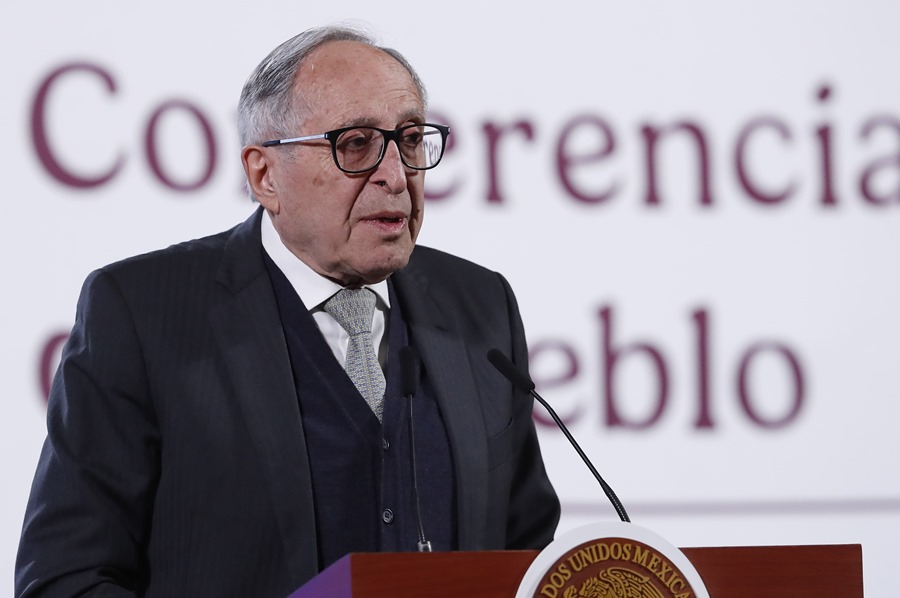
(444,354)
(250,336)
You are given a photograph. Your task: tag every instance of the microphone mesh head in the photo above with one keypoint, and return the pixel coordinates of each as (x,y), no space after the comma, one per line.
(409,369)
(519,378)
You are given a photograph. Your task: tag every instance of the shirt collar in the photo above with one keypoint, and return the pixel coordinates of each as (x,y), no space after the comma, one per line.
(313,288)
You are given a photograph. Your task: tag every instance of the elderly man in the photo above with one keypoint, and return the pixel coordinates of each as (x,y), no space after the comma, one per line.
(233,414)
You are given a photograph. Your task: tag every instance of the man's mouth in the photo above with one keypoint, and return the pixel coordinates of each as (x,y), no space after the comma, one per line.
(392,222)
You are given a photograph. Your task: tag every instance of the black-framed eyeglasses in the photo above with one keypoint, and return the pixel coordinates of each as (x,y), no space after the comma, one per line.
(360,149)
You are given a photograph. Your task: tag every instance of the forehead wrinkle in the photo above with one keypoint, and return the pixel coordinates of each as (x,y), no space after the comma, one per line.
(410,115)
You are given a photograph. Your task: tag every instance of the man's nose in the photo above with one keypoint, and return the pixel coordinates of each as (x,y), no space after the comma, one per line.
(391,172)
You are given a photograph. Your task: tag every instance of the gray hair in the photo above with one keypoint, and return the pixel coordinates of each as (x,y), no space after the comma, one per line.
(267,108)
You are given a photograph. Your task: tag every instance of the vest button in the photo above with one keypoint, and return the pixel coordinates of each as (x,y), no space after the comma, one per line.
(387,516)
(385,444)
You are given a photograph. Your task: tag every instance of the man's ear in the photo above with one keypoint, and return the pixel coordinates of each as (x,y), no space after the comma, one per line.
(260,173)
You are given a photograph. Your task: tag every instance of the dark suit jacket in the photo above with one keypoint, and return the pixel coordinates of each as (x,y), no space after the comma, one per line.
(175,462)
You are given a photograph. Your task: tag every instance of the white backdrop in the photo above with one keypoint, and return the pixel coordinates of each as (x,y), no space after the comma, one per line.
(696,203)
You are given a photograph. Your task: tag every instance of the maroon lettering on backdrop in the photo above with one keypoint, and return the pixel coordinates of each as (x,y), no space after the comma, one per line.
(567,161)
(40,134)
(613,353)
(701,321)
(153,157)
(652,136)
(561,352)
(796,378)
(493,132)
(565,368)
(585,143)
(611,357)
(740,159)
(823,132)
(867,179)
(49,360)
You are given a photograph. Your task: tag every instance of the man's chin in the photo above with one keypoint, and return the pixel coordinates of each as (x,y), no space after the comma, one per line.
(377,268)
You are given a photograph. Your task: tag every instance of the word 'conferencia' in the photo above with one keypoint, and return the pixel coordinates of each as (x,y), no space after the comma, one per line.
(583,146)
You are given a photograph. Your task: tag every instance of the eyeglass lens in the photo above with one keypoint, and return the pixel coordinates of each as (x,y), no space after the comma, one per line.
(359,149)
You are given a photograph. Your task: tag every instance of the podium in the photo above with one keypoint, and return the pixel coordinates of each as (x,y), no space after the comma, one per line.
(823,571)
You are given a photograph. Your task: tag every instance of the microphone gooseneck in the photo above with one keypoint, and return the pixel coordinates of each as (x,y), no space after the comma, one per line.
(523,382)
(410,370)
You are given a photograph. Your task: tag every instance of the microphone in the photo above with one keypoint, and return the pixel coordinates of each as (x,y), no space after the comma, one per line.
(523,382)
(410,371)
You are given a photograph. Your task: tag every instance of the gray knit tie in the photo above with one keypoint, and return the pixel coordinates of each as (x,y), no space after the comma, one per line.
(353,309)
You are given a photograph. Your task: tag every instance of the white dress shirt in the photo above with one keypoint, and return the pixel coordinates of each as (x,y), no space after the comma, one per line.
(315,290)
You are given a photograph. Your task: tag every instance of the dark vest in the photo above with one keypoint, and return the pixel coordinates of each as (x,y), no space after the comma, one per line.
(361,469)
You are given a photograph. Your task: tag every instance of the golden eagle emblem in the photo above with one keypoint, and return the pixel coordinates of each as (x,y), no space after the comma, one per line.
(615,582)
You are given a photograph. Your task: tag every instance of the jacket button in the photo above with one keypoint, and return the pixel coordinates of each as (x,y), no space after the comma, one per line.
(385,444)
(387,516)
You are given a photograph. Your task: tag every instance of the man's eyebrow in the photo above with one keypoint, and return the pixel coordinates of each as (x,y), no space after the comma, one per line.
(412,116)
(415,115)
